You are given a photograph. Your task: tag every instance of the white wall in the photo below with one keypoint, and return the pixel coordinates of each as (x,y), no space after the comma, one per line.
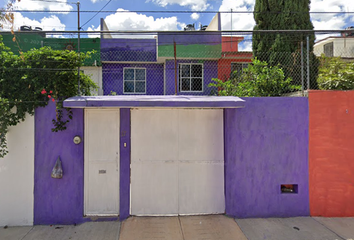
(17,176)
(96,75)
(342,47)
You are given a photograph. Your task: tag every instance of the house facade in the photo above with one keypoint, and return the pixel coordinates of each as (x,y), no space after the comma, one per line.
(337,46)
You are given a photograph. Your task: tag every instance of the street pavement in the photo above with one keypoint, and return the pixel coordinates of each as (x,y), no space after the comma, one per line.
(208,227)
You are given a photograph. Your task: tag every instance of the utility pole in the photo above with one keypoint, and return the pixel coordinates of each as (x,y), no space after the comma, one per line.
(78,47)
(231,29)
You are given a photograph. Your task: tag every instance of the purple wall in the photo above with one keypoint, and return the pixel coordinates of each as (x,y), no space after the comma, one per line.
(210,71)
(189,38)
(112,75)
(61,201)
(58,201)
(124,183)
(142,50)
(266,145)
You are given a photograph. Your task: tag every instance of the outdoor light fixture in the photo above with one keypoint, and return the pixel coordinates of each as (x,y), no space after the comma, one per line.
(77,139)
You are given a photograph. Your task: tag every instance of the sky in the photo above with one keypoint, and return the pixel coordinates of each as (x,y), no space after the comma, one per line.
(121,15)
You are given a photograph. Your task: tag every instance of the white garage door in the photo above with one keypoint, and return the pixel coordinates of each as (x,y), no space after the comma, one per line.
(101,162)
(177,161)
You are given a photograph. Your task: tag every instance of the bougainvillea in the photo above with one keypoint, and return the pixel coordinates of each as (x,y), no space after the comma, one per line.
(31,79)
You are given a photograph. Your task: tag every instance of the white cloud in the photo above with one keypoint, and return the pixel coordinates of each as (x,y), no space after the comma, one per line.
(131,21)
(243,21)
(195,16)
(195,5)
(245,45)
(43,5)
(240,21)
(51,23)
(331,21)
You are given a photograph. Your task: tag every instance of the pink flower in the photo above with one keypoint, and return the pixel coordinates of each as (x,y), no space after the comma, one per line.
(44,91)
(53,100)
(49,96)
(50,91)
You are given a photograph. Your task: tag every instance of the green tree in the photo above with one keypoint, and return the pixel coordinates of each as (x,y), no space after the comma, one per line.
(284,48)
(29,80)
(258,80)
(335,74)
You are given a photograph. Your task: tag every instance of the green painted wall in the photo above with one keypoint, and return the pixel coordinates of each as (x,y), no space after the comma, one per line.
(190,51)
(28,41)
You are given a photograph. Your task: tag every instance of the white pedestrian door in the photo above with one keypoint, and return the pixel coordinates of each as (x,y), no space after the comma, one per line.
(177,161)
(101,162)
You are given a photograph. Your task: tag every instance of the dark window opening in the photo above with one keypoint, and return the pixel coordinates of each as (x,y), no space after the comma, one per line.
(288,188)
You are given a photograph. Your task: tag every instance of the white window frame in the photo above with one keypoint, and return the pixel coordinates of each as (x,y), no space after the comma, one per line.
(190,77)
(133,80)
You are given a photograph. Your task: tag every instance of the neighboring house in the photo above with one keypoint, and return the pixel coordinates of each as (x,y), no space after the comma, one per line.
(181,63)
(337,46)
(231,59)
(22,42)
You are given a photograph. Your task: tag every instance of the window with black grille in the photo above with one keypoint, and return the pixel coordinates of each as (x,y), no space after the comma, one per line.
(190,77)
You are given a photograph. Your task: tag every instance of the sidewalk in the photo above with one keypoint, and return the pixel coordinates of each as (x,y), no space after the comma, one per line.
(213,227)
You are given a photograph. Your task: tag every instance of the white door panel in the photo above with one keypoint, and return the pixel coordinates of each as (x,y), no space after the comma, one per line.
(154,188)
(155,135)
(201,135)
(201,187)
(101,162)
(177,161)
(101,200)
(102,135)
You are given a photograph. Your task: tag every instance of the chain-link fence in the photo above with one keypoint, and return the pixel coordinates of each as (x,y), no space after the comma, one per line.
(189,62)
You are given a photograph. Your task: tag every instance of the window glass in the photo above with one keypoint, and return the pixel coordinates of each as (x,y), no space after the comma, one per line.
(129,86)
(185,84)
(129,74)
(197,84)
(139,74)
(185,70)
(140,86)
(197,70)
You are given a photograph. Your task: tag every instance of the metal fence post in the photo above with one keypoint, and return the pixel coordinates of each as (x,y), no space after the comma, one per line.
(302,68)
(308,62)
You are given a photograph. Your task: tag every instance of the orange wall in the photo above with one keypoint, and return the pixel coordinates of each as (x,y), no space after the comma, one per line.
(331,153)
(224,64)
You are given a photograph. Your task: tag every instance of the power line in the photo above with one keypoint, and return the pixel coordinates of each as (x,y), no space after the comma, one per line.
(53,1)
(166,11)
(96,14)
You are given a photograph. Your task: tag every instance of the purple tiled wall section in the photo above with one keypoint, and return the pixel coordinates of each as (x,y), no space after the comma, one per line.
(124,184)
(266,145)
(112,75)
(210,71)
(189,38)
(58,201)
(142,50)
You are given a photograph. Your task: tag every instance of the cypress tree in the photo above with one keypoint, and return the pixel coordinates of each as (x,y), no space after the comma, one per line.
(285,48)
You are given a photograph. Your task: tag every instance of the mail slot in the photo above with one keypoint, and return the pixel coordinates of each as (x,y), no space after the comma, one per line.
(101,171)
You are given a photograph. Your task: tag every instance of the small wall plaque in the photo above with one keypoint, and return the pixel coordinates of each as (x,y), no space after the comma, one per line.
(101,171)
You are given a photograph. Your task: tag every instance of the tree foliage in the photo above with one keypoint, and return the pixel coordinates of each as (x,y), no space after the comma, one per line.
(335,74)
(284,48)
(258,80)
(29,80)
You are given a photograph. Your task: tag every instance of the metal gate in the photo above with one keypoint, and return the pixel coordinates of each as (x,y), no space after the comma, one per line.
(177,161)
